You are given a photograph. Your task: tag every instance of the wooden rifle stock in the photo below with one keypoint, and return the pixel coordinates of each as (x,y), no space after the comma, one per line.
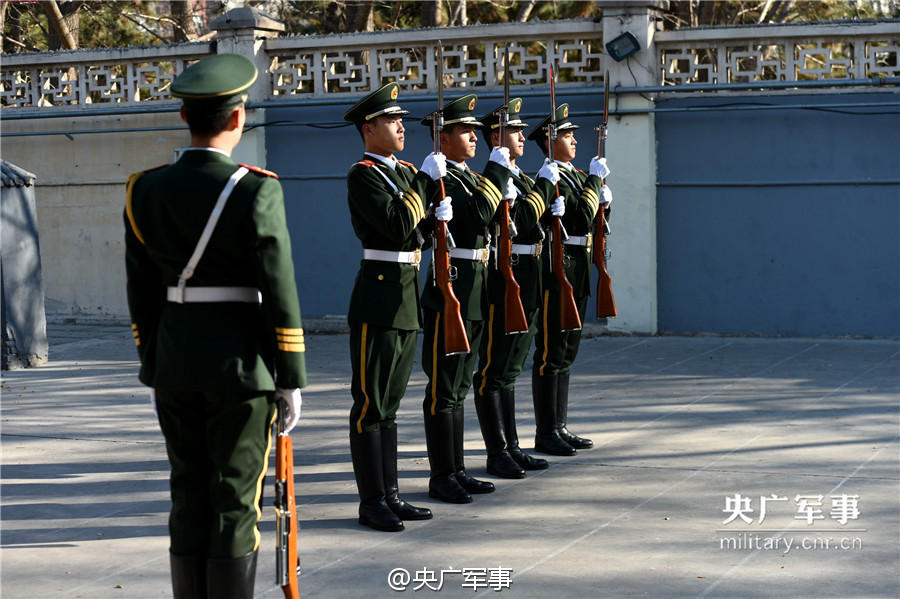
(606,303)
(569,319)
(514,320)
(455,339)
(287,562)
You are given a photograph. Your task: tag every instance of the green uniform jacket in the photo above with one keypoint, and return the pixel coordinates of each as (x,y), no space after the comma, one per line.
(526,215)
(385,293)
(475,199)
(582,194)
(225,346)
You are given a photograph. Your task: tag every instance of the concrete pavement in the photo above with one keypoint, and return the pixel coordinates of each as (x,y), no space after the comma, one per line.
(689,432)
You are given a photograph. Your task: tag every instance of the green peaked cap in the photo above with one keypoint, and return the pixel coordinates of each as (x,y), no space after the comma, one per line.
(562,123)
(492,120)
(382,101)
(460,110)
(216,82)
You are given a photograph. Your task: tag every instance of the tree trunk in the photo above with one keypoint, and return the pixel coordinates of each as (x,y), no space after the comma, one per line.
(460,16)
(361,15)
(525,11)
(63,24)
(434,13)
(183,15)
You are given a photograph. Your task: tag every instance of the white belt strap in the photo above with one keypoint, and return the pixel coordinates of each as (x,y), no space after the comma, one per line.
(527,250)
(478,255)
(178,295)
(189,295)
(413,257)
(579,240)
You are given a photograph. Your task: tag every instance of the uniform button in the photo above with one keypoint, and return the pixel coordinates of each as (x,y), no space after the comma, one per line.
(380,277)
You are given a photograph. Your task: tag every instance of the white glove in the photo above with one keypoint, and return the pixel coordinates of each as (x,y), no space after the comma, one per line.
(558,207)
(598,167)
(153,400)
(605,196)
(292,402)
(500,156)
(444,210)
(435,165)
(549,171)
(512,192)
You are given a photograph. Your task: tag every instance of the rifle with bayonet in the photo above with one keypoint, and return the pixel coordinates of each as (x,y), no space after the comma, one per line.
(606,303)
(569,319)
(455,339)
(514,320)
(287,562)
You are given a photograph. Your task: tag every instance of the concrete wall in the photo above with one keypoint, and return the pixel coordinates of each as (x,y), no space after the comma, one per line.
(80,193)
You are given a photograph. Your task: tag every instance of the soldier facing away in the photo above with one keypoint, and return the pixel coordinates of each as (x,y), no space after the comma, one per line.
(388,201)
(216,320)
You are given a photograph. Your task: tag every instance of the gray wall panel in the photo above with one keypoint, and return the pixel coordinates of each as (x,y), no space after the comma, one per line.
(751,241)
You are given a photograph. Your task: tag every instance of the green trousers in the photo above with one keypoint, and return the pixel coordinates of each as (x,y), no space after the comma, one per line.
(501,356)
(381,362)
(218,446)
(555,350)
(449,377)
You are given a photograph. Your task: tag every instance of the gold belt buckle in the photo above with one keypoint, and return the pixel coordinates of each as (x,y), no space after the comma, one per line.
(538,247)
(485,254)
(587,240)
(418,254)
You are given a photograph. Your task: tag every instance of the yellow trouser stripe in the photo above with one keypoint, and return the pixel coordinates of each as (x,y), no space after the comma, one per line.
(362,377)
(259,483)
(490,347)
(546,332)
(434,364)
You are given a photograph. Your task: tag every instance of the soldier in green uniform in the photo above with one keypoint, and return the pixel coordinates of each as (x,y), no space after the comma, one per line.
(555,350)
(502,356)
(216,321)
(474,199)
(388,201)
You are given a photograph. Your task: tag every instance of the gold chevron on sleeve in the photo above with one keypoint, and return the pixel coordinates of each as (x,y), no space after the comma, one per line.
(414,203)
(536,202)
(137,334)
(290,340)
(490,191)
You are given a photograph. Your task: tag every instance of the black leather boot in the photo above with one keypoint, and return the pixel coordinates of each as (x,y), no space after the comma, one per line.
(403,510)
(546,438)
(562,413)
(231,578)
(508,409)
(499,462)
(368,470)
(468,482)
(439,439)
(188,576)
